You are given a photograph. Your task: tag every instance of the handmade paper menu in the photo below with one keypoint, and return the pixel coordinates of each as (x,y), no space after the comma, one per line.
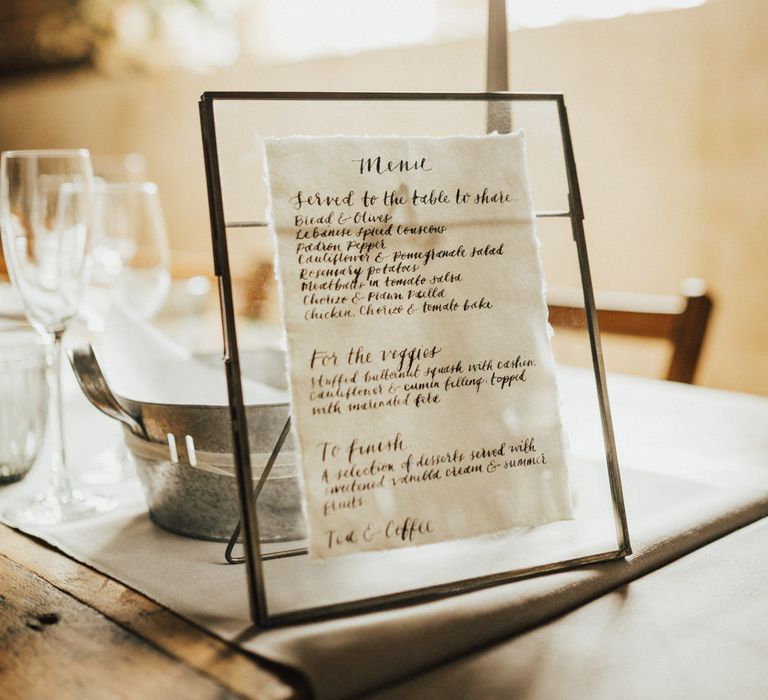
(422,378)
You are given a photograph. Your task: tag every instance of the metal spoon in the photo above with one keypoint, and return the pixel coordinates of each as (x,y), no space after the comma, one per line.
(94,385)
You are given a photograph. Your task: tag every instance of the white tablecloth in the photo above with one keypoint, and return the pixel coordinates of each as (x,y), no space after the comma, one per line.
(692,629)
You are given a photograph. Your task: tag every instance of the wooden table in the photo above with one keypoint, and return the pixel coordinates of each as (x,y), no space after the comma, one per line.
(68,631)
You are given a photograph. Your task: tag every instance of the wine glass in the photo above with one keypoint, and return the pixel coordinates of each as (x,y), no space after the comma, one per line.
(130,250)
(45,217)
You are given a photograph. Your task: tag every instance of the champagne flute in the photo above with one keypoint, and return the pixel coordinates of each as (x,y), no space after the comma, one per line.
(45,217)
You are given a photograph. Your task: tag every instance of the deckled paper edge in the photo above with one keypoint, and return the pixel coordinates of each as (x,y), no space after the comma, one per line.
(570,487)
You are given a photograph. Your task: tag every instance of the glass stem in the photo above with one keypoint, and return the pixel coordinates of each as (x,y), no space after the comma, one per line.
(60,484)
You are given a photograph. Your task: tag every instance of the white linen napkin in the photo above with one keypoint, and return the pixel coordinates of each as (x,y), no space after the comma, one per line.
(142,364)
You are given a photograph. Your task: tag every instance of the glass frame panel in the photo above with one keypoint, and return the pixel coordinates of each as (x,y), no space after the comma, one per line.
(498,108)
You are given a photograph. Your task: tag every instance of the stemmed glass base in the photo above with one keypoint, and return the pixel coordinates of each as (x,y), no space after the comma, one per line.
(60,502)
(50,508)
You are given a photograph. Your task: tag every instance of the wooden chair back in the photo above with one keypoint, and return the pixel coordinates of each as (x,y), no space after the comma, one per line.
(681,320)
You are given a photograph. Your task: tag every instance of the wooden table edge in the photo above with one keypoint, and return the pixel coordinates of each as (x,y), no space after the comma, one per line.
(184,641)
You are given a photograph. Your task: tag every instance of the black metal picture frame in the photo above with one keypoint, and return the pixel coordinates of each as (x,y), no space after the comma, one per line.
(248,494)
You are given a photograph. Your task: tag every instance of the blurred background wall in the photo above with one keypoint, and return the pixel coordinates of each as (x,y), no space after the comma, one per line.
(668,113)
